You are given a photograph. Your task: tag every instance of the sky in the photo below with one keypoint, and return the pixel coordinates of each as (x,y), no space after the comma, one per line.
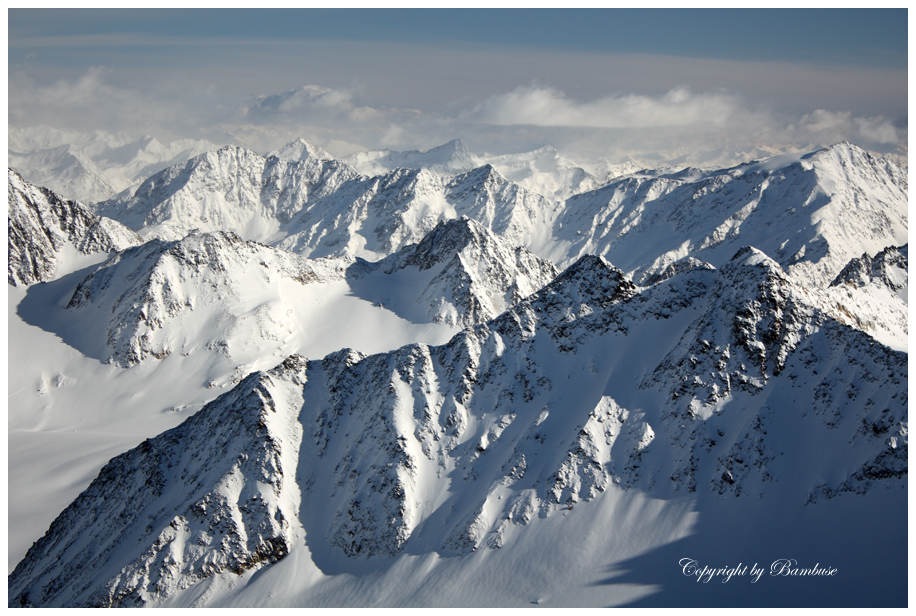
(665,84)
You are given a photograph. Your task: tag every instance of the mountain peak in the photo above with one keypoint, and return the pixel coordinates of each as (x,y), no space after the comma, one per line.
(300,149)
(464,275)
(749,259)
(449,234)
(752,256)
(455,146)
(451,156)
(585,286)
(477,176)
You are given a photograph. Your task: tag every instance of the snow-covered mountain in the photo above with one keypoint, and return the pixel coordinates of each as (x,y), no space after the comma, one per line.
(227,463)
(318,208)
(460,274)
(581,395)
(214,292)
(230,292)
(811,213)
(449,158)
(542,171)
(298,382)
(300,149)
(44,228)
(67,170)
(92,166)
(231,189)
(871,294)
(888,269)
(546,173)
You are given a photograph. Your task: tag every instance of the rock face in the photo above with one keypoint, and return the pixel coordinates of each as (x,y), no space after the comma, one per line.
(461,274)
(720,382)
(151,290)
(871,294)
(212,495)
(41,223)
(888,267)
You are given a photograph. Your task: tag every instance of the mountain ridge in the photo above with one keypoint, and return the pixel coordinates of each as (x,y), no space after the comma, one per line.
(523,459)
(717,346)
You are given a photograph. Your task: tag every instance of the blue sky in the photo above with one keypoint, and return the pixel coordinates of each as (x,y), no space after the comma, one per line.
(857,36)
(502,80)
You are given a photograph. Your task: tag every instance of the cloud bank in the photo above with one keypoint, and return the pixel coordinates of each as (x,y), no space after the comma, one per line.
(540,106)
(682,124)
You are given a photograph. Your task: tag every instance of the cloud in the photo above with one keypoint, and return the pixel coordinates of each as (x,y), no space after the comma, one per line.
(92,102)
(835,126)
(680,125)
(541,106)
(310,103)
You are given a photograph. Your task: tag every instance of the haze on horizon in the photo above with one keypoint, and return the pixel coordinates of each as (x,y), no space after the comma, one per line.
(610,83)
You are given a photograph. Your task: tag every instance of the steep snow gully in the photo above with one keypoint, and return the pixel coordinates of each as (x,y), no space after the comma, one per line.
(698,408)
